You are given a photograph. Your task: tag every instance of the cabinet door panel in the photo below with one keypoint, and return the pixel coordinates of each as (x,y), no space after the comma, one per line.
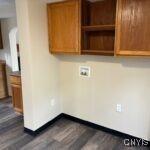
(64,26)
(3,81)
(133,27)
(17,98)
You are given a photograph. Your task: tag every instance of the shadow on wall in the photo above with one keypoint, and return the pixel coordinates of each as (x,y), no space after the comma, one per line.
(127,62)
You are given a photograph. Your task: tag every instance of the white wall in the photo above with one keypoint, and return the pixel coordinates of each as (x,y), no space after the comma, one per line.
(113,80)
(6,25)
(40,69)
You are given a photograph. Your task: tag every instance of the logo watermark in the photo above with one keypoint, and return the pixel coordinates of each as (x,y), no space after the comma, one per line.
(135,142)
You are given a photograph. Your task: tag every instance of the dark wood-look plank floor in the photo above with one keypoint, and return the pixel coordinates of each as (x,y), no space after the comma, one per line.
(62,135)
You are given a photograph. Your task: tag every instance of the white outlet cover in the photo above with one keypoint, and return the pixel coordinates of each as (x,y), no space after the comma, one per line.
(52,102)
(119,108)
(84,71)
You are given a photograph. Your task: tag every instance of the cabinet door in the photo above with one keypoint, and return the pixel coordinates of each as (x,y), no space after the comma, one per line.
(17,98)
(133,28)
(3,81)
(63,26)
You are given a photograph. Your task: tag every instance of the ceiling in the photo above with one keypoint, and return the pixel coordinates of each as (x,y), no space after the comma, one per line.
(6,2)
(7,8)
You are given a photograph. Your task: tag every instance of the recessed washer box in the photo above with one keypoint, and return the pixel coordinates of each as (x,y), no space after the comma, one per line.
(84,71)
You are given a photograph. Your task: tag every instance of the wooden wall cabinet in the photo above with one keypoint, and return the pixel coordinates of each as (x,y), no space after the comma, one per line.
(82,27)
(3,80)
(16,93)
(133,28)
(64,27)
(1,41)
(105,27)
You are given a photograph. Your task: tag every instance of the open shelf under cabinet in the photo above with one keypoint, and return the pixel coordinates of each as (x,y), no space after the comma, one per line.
(98,27)
(98,52)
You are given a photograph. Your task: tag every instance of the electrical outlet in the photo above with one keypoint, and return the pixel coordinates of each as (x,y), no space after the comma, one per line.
(84,71)
(52,102)
(119,108)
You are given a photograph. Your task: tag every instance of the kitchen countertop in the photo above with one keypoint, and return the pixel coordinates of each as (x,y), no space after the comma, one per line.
(15,73)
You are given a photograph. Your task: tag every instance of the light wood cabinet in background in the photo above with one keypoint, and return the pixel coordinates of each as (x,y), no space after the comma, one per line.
(15,80)
(108,27)
(3,80)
